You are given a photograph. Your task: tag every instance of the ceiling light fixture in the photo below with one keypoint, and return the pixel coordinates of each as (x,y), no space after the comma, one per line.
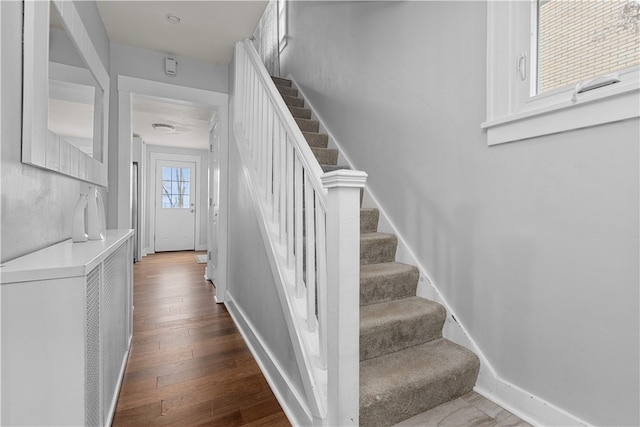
(173,18)
(163,127)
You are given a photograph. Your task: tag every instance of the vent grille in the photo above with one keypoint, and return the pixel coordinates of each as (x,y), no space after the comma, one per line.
(93,416)
(115,321)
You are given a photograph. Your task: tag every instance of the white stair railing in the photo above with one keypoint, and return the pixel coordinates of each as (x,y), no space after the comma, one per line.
(310,224)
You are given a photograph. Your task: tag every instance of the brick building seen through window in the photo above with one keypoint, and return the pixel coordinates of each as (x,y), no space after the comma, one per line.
(581,39)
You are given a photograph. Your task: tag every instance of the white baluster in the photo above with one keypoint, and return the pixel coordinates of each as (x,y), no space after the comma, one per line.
(274,171)
(299,234)
(281,185)
(310,253)
(270,148)
(290,207)
(321,262)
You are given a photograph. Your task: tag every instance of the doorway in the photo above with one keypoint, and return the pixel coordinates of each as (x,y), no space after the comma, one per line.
(213,192)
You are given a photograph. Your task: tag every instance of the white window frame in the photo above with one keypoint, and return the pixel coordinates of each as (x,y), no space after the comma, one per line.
(281,11)
(513,114)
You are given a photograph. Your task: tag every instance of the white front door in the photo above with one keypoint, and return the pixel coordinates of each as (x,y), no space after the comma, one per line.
(175,205)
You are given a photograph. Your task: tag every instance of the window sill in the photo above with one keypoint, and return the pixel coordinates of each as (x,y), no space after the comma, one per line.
(616,103)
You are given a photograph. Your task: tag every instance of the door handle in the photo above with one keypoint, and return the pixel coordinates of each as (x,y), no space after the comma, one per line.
(192,210)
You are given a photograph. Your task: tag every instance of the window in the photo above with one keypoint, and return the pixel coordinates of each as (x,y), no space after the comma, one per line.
(282,24)
(175,187)
(543,60)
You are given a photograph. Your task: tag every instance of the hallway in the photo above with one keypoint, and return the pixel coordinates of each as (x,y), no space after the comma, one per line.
(188,363)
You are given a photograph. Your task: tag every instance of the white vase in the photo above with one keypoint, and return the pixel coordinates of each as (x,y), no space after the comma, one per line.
(78,225)
(95,215)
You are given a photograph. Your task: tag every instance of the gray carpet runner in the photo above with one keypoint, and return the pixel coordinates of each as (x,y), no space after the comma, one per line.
(406,366)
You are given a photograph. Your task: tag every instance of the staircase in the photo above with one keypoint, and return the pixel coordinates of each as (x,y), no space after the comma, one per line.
(406,366)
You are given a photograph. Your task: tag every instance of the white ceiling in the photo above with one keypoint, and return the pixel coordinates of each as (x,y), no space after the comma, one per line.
(207,32)
(191,122)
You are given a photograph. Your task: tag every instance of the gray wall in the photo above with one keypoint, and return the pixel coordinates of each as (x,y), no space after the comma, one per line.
(250,281)
(534,244)
(37,205)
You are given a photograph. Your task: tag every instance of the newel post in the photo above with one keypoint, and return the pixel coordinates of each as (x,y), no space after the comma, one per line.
(343,295)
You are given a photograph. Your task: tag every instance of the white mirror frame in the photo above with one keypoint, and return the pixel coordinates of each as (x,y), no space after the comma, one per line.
(41,147)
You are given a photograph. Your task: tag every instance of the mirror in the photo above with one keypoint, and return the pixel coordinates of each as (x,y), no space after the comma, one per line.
(65,94)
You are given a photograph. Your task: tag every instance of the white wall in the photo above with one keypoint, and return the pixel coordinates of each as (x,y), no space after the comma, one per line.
(201,201)
(534,244)
(37,205)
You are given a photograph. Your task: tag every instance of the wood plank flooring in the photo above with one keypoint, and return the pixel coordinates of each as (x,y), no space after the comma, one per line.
(188,364)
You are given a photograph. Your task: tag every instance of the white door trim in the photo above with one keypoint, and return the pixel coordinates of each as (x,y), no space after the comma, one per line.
(155,157)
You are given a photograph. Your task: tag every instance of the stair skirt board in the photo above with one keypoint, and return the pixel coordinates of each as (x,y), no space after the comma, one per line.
(519,402)
(293,405)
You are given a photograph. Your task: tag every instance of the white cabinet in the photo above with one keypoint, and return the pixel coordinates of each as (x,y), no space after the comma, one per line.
(66,330)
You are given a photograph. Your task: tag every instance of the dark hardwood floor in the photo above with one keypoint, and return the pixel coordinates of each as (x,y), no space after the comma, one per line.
(188,365)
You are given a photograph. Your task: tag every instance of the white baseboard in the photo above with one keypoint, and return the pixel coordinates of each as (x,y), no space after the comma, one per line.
(521,403)
(292,403)
(528,407)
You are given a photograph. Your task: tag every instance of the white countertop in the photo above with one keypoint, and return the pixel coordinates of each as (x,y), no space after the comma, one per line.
(65,259)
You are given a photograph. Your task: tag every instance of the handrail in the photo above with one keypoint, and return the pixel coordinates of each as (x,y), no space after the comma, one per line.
(310,226)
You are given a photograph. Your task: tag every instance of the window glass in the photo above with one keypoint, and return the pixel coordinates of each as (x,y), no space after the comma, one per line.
(581,39)
(175,187)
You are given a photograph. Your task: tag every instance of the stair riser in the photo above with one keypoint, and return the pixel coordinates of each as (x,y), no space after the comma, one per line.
(308,125)
(289,91)
(398,335)
(376,288)
(281,82)
(392,410)
(378,250)
(369,220)
(300,113)
(325,156)
(316,140)
(293,101)
(436,372)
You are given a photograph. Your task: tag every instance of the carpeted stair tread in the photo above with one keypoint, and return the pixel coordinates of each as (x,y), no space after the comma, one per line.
(387,281)
(331,168)
(377,247)
(300,113)
(392,326)
(293,101)
(279,81)
(307,125)
(369,220)
(326,156)
(289,91)
(317,140)
(399,385)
